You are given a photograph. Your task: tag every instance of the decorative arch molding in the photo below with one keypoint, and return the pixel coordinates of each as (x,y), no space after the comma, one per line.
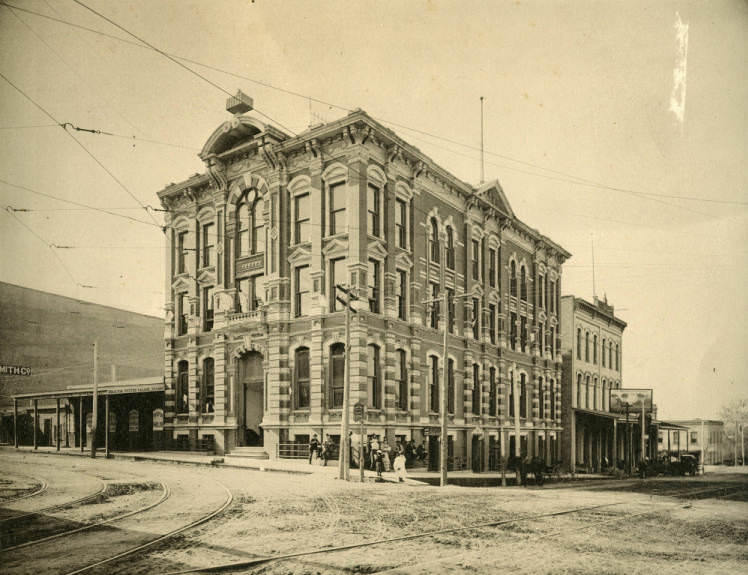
(450,223)
(493,241)
(242,184)
(299,184)
(206,214)
(542,267)
(436,353)
(403,191)
(248,345)
(434,214)
(375,338)
(228,134)
(476,232)
(375,175)
(334,172)
(181,223)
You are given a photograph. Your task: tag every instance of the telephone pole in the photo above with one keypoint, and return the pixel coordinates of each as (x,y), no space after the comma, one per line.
(344,455)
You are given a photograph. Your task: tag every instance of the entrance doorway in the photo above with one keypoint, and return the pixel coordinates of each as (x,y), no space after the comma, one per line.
(252,384)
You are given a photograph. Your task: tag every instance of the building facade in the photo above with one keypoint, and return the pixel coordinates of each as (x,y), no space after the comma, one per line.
(702,436)
(255,337)
(592,347)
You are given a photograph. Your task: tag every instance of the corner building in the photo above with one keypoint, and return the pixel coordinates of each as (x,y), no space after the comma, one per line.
(255,340)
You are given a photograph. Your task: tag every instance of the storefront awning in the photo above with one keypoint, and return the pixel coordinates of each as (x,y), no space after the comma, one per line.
(140,385)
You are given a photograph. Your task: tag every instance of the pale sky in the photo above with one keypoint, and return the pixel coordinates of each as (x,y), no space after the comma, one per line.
(573,90)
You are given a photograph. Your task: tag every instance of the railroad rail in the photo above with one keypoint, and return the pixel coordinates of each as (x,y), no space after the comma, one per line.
(227,567)
(165,495)
(83,499)
(43,485)
(204,519)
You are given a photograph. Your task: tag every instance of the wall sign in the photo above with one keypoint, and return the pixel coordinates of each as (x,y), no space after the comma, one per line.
(158,419)
(133,420)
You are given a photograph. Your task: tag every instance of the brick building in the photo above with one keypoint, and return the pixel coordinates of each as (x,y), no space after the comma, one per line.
(255,341)
(592,345)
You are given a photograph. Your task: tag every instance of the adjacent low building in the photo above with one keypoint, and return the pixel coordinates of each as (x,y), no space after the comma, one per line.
(695,436)
(254,336)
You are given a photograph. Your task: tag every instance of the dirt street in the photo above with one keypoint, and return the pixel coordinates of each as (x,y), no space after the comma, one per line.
(672,525)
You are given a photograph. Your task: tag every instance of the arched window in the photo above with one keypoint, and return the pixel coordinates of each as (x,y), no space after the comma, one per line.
(209,388)
(541,399)
(451,386)
(258,227)
(605,396)
(513,278)
(594,394)
(587,393)
(301,378)
(610,355)
(492,391)
(242,228)
(616,357)
(337,374)
(586,346)
(602,353)
(434,384)
(579,390)
(512,383)
(450,248)
(401,372)
(183,387)
(553,400)
(374,380)
(434,240)
(594,349)
(476,389)
(522,283)
(579,343)
(522,395)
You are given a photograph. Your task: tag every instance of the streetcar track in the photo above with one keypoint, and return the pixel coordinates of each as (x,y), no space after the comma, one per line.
(78,501)
(42,488)
(243,565)
(197,522)
(166,494)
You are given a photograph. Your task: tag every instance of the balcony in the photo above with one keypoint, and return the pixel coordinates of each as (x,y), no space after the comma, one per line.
(245,318)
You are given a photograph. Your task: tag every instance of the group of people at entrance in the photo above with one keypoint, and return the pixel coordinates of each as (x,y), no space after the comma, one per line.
(320,451)
(381,457)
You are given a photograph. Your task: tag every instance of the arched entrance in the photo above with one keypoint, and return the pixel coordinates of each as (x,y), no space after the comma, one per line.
(251,386)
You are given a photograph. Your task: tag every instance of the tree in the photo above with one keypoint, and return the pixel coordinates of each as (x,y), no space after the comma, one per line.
(735,416)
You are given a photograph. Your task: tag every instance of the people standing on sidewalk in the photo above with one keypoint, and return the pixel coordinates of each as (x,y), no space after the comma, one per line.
(374,451)
(400,467)
(378,459)
(326,450)
(313,447)
(386,454)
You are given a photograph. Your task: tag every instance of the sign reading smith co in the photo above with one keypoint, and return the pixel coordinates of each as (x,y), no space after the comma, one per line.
(14,370)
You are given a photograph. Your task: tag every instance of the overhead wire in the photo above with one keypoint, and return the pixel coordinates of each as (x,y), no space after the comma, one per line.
(567,176)
(80,144)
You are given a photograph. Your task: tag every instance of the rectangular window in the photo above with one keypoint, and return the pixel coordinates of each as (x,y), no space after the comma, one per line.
(512,383)
(337,208)
(434,385)
(303,289)
(401,371)
(476,390)
(372,203)
(552,295)
(522,396)
(523,333)
(182,252)
(492,391)
(492,267)
(435,306)
(476,318)
(541,291)
(302,211)
(208,308)
(183,401)
(183,313)
(209,246)
(374,389)
(258,227)
(476,259)
(374,292)
(337,370)
(402,295)
(492,323)
(256,292)
(301,366)
(451,310)
(513,330)
(210,386)
(337,276)
(541,337)
(401,223)
(451,386)
(553,342)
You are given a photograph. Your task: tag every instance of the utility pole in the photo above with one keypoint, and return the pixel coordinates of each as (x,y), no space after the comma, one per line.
(344,456)
(482,171)
(94,416)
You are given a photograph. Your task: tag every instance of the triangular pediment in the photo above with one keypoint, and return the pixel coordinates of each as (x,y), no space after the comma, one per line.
(181,283)
(376,248)
(335,248)
(207,276)
(403,261)
(492,193)
(301,254)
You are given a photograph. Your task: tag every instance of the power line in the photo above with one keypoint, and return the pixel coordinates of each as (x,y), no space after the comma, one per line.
(86,206)
(103,167)
(28,127)
(569,177)
(177,62)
